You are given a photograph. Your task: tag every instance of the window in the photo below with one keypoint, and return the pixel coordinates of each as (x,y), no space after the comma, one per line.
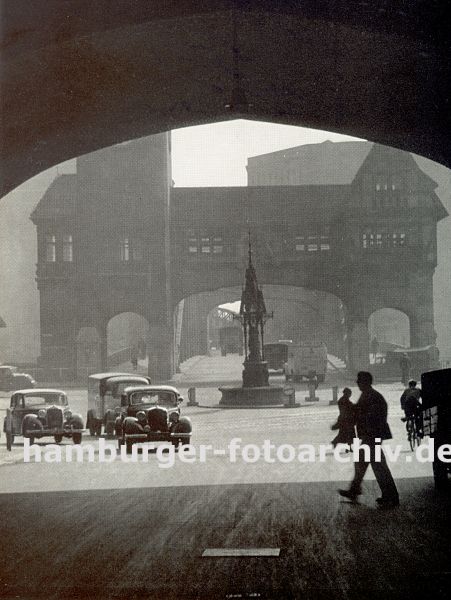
(300,243)
(68,255)
(50,248)
(383,239)
(313,242)
(205,245)
(217,245)
(325,243)
(125,249)
(137,249)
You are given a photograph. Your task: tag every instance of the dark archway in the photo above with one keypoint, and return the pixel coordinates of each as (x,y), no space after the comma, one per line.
(78,76)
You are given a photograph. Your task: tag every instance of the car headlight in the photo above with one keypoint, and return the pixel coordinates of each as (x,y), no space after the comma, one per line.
(67,414)
(41,413)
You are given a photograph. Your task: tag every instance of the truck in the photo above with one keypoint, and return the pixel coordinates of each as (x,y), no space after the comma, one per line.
(305,361)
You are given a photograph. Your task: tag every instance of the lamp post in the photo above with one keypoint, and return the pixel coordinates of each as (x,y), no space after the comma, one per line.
(253,316)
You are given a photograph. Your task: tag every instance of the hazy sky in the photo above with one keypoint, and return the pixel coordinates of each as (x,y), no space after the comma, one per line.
(216,154)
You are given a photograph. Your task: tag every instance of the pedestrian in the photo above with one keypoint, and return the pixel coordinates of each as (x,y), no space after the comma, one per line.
(405,365)
(371,422)
(346,420)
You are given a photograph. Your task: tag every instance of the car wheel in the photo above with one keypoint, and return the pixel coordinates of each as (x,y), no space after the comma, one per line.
(76,438)
(9,440)
(58,438)
(31,438)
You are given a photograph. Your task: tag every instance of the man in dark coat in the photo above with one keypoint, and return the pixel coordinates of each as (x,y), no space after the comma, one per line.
(371,423)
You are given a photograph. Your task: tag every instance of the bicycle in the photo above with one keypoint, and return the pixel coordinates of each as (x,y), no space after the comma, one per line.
(413,433)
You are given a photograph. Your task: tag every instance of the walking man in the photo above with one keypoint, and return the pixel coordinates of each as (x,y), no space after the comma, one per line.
(371,423)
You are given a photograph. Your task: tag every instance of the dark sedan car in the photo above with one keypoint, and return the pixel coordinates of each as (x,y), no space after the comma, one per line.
(36,413)
(152,413)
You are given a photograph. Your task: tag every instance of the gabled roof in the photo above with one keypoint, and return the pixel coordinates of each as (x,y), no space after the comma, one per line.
(331,163)
(328,163)
(60,199)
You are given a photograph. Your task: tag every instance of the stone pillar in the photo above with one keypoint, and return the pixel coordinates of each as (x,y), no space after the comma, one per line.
(422,332)
(160,350)
(358,346)
(88,352)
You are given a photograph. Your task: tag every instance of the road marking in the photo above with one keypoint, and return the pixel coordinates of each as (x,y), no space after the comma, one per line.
(216,552)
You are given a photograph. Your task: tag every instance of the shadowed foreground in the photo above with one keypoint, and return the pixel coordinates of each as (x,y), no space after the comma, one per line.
(147,543)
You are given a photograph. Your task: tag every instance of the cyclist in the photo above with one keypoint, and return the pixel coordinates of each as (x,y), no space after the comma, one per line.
(411,405)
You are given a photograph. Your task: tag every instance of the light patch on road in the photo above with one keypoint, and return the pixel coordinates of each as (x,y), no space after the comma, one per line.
(221,552)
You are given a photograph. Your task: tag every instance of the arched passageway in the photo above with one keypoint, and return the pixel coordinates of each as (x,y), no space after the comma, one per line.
(389,328)
(299,314)
(128,342)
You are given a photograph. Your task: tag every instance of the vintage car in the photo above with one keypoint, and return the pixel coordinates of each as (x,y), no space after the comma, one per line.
(436,406)
(420,359)
(11,380)
(152,414)
(104,397)
(36,413)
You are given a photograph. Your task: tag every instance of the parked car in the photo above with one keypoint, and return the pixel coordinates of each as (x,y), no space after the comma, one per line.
(152,413)
(104,399)
(36,413)
(11,379)
(436,406)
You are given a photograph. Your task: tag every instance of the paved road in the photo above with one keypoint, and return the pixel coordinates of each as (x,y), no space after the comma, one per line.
(138,529)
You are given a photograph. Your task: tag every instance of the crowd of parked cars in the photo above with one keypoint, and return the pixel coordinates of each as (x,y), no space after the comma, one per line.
(120,405)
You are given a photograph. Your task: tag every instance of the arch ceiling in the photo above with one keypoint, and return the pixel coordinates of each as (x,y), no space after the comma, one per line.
(80,75)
